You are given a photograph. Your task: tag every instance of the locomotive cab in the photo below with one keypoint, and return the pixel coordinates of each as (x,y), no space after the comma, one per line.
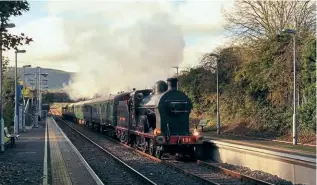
(168,109)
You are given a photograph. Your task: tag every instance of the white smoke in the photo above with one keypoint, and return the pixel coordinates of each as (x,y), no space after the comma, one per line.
(114,58)
(117,45)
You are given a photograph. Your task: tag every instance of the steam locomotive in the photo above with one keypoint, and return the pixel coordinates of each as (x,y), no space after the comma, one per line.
(155,121)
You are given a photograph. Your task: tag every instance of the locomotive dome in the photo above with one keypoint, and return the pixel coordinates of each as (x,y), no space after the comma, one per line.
(160,87)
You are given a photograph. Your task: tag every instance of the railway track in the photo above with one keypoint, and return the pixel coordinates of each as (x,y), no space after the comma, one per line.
(115,178)
(156,172)
(211,174)
(202,172)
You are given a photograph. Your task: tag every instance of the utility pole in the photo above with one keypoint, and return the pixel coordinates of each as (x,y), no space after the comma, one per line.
(39,93)
(16,124)
(37,97)
(40,103)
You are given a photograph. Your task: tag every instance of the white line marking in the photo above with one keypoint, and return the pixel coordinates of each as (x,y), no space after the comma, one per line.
(92,173)
(45,177)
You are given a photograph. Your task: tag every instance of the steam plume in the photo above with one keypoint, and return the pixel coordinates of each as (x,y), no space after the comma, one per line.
(110,59)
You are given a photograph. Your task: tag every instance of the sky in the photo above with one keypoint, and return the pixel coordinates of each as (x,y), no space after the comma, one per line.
(131,39)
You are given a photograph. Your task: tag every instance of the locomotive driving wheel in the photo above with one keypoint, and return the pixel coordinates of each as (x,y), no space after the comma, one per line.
(151,147)
(144,144)
(122,137)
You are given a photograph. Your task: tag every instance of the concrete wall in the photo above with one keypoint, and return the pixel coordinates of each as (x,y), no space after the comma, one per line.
(294,168)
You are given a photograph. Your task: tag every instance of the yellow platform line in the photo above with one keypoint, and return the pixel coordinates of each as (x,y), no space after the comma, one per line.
(60,174)
(45,177)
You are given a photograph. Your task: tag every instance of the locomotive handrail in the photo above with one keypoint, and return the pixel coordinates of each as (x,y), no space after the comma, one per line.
(148,107)
(179,111)
(185,101)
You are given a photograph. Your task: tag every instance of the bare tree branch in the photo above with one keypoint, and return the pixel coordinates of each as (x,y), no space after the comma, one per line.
(254,20)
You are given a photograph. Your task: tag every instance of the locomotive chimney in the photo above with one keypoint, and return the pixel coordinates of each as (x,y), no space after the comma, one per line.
(172,83)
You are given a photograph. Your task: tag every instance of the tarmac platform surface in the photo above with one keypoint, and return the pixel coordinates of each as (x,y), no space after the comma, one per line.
(44,155)
(23,163)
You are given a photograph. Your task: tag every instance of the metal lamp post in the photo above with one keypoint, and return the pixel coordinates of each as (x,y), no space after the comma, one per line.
(16,104)
(293,32)
(218,114)
(2,27)
(24,83)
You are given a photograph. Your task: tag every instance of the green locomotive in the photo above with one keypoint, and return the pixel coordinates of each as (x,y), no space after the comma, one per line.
(155,121)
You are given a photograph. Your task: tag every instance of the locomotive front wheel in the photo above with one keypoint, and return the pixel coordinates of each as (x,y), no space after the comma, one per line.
(197,153)
(159,152)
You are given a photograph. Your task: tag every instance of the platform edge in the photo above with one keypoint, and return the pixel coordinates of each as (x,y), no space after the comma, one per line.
(91,172)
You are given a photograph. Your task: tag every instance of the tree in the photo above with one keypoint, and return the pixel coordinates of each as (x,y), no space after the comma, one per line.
(8,9)
(229,62)
(7,94)
(27,92)
(10,41)
(307,110)
(255,76)
(254,20)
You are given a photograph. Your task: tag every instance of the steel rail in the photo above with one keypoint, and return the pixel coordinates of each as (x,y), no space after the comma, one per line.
(237,175)
(244,178)
(144,178)
(197,177)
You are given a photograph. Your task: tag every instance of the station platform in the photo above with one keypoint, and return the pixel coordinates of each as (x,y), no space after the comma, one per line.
(276,146)
(293,163)
(23,163)
(44,155)
(67,166)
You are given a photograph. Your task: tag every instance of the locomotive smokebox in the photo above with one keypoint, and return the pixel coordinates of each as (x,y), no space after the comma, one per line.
(172,83)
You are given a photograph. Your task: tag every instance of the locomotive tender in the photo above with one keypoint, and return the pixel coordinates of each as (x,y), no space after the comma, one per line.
(155,121)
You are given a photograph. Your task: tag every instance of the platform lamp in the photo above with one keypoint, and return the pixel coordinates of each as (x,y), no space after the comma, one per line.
(293,32)
(2,28)
(218,114)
